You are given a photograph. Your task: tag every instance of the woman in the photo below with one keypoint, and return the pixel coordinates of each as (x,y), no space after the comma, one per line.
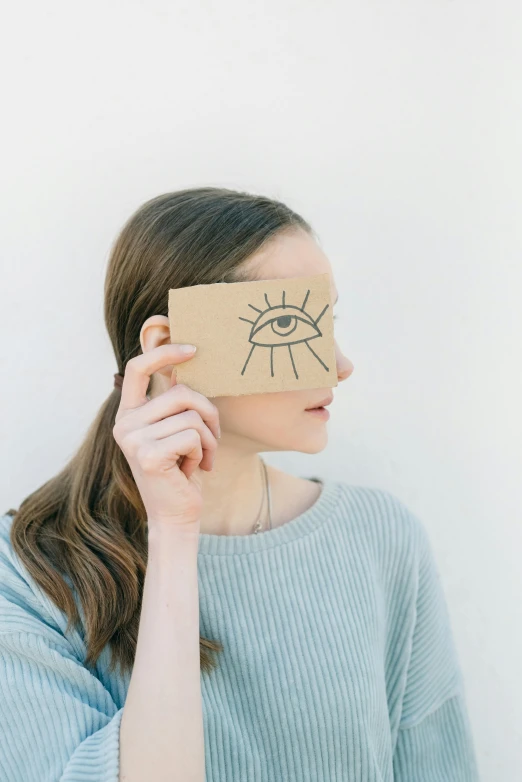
(174,609)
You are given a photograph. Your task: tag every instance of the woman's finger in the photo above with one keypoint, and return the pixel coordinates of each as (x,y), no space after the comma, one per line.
(176,400)
(161,455)
(140,368)
(189,419)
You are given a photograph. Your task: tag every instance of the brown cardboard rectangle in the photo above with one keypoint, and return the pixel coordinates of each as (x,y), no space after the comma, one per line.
(256,336)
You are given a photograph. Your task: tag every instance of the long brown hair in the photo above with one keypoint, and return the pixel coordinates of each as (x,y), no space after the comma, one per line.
(88,522)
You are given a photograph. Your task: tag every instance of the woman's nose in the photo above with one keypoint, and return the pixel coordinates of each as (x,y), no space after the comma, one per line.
(344,365)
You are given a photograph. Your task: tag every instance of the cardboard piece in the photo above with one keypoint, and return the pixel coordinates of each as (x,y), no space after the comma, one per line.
(256,336)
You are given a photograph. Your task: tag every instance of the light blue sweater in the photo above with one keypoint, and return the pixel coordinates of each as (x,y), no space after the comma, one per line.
(339,663)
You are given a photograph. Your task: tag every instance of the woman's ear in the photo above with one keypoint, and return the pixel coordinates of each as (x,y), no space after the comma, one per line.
(154,332)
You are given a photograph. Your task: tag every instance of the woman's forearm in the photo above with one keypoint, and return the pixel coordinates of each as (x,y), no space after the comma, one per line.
(161,733)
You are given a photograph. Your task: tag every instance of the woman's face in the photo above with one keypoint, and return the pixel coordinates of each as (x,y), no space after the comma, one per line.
(278,421)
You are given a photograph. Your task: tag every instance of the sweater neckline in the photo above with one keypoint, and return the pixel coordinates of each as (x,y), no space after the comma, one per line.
(296,528)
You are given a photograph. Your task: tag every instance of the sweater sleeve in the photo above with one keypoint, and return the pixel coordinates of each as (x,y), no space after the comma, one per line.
(58,722)
(434,739)
(439,748)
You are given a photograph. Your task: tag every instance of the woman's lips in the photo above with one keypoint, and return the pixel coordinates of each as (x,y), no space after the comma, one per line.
(322,402)
(319,412)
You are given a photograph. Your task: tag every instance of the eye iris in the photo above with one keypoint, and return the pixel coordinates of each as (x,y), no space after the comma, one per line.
(284,321)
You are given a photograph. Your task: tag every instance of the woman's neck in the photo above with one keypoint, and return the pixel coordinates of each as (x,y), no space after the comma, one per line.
(234,493)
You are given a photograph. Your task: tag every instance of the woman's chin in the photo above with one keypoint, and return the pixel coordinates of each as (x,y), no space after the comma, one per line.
(310,436)
(310,442)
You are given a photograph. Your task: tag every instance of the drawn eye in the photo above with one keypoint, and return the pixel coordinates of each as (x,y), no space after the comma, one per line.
(275,325)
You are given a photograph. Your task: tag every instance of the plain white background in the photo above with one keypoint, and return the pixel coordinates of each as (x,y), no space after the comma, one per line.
(395,128)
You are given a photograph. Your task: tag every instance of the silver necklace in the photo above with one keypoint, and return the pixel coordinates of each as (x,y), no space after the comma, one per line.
(257,526)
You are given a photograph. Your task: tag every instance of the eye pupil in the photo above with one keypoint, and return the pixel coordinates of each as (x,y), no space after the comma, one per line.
(284,321)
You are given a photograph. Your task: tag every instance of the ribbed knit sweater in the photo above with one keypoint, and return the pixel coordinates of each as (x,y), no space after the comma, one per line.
(339,663)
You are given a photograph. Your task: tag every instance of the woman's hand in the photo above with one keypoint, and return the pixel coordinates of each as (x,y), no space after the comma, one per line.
(166,440)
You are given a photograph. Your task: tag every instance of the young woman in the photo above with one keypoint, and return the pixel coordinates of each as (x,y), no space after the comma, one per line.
(172,608)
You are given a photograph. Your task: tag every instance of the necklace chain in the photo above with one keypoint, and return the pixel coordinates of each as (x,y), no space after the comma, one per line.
(258,526)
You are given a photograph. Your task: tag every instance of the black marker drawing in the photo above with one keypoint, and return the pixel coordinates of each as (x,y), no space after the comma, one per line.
(283,325)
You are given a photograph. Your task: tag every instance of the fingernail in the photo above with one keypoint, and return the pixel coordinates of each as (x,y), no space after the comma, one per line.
(187,348)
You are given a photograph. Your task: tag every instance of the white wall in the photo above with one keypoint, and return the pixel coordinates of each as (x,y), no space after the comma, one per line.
(395,128)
